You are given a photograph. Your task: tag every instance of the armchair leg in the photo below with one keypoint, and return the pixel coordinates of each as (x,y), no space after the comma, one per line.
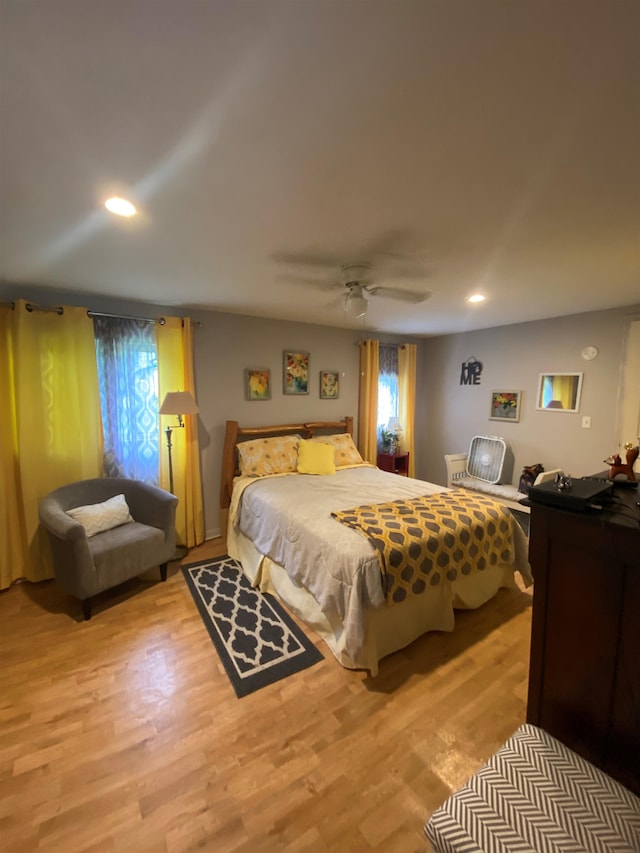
(163,571)
(86,608)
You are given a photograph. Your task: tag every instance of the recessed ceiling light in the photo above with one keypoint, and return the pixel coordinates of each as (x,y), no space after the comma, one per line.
(476,297)
(120,206)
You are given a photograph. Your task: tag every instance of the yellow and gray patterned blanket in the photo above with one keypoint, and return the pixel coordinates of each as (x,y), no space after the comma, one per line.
(425,541)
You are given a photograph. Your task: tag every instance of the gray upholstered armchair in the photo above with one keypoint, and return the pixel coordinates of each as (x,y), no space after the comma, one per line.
(88,564)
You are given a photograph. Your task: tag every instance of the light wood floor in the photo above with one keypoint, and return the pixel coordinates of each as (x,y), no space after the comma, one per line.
(124,734)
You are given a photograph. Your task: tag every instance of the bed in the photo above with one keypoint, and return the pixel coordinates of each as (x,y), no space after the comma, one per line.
(315,541)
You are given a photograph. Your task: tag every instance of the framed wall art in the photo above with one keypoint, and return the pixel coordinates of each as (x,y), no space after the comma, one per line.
(559,392)
(505,406)
(296,372)
(258,384)
(329,385)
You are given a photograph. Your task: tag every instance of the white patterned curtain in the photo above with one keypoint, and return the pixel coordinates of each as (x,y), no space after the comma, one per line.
(387,384)
(128,377)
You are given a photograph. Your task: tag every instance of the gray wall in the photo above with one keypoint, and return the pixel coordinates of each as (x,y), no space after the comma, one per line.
(448,415)
(513,357)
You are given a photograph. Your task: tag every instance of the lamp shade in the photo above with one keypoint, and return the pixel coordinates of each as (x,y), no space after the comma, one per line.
(394,425)
(179,403)
(355,303)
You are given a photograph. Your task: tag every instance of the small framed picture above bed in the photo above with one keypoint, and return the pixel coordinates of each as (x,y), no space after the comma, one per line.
(296,372)
(258,384)
(505,406)
(329,384)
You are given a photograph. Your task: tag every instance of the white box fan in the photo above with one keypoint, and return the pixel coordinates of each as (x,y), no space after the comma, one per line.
(486,458)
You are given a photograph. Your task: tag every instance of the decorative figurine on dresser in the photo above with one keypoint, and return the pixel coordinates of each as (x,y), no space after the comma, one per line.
(615,463)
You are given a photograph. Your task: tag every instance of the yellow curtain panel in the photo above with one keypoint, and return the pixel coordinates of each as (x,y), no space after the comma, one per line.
(563,390)
(407,399)
(368,401)
(176,373)
(13,538)
(52,432)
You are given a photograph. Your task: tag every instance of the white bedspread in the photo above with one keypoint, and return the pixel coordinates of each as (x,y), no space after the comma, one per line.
(288,518)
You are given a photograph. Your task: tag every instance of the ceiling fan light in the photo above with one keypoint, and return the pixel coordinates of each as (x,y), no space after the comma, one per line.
(355,305)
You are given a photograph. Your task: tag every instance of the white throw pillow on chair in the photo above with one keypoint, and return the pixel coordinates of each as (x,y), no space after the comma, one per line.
(96,518)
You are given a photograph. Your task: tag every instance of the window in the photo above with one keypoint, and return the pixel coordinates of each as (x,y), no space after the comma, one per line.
(387,385)
(127,360)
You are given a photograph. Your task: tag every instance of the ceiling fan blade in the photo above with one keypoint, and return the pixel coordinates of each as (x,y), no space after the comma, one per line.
(394,243)
(335,304)
(317,283)
(403,268)
(306,259)
(399,253)
(413,296)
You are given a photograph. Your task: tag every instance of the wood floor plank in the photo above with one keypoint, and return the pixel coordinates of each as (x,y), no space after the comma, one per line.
(124,734)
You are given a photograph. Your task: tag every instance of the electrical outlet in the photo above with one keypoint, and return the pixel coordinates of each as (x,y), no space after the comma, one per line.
(586,422)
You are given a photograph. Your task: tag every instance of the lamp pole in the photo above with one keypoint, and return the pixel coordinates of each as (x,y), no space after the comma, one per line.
(177,403)
(167,432)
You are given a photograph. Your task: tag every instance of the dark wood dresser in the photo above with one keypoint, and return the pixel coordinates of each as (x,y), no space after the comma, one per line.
(584,676)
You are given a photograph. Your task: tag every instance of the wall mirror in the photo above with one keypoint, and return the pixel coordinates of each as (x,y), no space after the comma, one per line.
(559,392)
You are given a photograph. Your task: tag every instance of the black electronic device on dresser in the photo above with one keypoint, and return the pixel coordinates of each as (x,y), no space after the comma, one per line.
(584,675)
(578,495)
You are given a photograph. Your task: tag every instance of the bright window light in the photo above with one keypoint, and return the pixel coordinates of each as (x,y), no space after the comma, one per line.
(476,297)
(120,206)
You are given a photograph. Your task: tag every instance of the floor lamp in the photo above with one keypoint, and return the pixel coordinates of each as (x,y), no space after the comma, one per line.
(177,403)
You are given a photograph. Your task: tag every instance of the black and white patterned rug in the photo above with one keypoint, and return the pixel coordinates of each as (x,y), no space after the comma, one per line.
(258,642)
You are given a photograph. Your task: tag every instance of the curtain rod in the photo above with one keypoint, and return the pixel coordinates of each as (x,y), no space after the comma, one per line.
(30,306)
(60,310)
(159,320)
(382,344)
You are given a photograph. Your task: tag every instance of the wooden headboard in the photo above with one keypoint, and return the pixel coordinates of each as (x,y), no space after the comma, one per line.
(234,433)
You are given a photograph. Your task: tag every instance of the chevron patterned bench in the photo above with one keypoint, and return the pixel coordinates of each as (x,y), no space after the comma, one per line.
(537,796)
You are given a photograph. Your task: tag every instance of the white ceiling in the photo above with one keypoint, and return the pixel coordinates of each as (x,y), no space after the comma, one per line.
(456,144)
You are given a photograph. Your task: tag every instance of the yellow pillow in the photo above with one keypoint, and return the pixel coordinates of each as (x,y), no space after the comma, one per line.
(346,453)
(314,458)
(263,456)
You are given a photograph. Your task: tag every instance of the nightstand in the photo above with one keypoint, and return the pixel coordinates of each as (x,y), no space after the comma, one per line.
(396,463)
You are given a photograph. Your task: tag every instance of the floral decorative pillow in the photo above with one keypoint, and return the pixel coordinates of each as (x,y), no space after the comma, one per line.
(346,451)
(262,456)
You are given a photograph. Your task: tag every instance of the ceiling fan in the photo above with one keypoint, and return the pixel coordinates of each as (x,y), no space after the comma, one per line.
(358,283)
